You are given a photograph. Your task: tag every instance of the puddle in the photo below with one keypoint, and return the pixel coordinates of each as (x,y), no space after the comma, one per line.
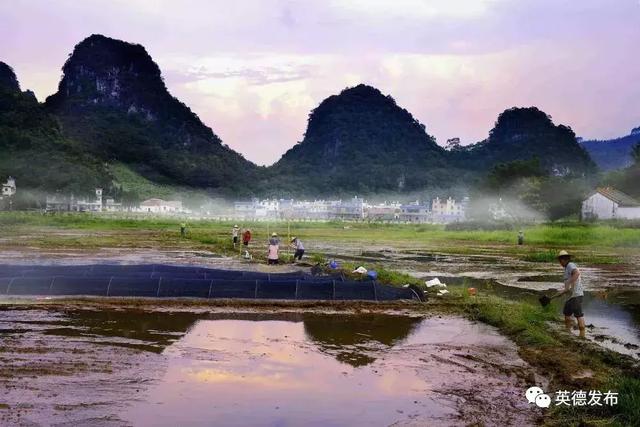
(131,367)
(614,313)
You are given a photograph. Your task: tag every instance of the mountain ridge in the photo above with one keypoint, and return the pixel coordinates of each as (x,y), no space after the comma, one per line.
(34,150)
(113,106)
(613,153)
(362,133)
(526,133)
(112,100)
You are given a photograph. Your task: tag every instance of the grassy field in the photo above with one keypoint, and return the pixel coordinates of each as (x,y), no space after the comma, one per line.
(592,243)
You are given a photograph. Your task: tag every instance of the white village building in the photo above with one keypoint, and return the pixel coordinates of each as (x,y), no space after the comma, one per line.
(415,212)
(66,203)
(448,210)
(609,203)
(160,206)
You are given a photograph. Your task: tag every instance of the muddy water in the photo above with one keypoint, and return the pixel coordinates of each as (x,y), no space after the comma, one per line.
(611,302)
(126,367)
(612,316)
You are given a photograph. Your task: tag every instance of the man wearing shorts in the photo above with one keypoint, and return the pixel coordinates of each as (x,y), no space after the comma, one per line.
(573,287)
(299,247)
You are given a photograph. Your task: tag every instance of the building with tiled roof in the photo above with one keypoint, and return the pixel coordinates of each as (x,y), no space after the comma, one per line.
(609,203)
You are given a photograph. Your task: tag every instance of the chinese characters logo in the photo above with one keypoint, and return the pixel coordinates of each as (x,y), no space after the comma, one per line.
(571,398)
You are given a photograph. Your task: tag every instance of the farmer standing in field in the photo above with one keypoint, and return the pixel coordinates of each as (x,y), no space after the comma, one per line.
(272,251)
(246,238)
(573,287)
(235,232)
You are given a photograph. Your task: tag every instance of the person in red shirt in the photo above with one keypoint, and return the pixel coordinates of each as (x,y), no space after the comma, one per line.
(246,238)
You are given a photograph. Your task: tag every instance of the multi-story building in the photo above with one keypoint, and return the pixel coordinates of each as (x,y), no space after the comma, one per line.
(354,209)
(62,202)
(448,210)
(384,212)
(415,212)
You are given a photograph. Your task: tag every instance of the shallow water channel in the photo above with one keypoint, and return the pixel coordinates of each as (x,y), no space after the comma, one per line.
(612,316)
(131,367)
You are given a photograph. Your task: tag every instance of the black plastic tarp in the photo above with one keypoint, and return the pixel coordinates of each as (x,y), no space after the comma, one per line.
(153,280)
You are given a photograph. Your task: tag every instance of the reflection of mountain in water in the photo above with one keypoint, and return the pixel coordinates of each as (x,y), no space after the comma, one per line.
(143,330)
(352,339)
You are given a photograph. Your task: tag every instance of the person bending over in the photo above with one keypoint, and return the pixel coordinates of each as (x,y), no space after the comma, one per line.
(299,247)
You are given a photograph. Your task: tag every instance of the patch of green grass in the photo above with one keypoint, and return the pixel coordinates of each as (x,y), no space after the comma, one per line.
(552,236)
(551,256)
(524,320)
(541,256)
(396,278)
(627,411)
(317,258)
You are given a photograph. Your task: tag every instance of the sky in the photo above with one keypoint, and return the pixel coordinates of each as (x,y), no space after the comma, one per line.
(254,69)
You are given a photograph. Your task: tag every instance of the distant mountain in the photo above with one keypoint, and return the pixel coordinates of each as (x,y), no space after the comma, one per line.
(33,148)
(614,153)
(113,101)
(524,134)
(361,141)
(113,113)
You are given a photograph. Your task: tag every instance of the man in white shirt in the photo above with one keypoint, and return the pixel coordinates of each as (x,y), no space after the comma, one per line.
(235,232)
(573,287)
(299,247)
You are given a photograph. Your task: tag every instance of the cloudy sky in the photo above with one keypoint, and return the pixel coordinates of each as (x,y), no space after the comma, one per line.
(252,70)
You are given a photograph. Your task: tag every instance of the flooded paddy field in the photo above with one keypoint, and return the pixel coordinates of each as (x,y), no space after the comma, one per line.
(612,301)
(102,363)
(612,297)
(68,365)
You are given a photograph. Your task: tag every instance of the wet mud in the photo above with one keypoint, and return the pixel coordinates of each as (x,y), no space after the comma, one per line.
(121,366)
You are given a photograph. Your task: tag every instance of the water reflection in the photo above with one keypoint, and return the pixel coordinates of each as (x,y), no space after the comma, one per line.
(283,372)
(166,369)
(144,330)
(349,338)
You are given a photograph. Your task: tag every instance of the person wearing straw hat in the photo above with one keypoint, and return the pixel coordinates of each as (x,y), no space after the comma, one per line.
(299,247)
(274,239)
(272,250)
(235,232)
(573,287)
